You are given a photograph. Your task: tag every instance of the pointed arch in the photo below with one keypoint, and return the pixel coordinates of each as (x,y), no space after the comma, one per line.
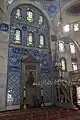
(30,38)
(38,6)
(29,15)
(63,64)
(17,36)
(41,40)
(18,13)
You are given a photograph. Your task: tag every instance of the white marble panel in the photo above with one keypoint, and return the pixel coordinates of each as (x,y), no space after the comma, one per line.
(4,38)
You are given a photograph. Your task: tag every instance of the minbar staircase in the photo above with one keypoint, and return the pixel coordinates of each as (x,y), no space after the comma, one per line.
(66,90)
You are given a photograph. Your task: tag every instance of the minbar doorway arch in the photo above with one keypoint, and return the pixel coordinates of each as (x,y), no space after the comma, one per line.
(30,83)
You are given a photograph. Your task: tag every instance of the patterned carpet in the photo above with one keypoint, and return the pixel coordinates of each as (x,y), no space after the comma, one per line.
(41,114)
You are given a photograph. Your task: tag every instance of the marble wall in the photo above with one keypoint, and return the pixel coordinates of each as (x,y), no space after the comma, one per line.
(4,37)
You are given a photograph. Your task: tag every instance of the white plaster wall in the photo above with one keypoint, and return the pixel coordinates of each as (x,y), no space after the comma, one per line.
(69,63)
(75,36)
(4,37)
(67,18)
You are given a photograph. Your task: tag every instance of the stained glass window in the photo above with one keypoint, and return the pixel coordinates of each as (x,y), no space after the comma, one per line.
(74,66)
(72,48)
(63,64)
(18,13)
(66,28)
(29,15)
(42,41)
(76,27)
(30,39)
(40,20)
(61,46)
(17,36)
(10,1)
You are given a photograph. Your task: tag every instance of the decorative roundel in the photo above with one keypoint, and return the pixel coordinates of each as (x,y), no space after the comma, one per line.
(24,28)
(52,8)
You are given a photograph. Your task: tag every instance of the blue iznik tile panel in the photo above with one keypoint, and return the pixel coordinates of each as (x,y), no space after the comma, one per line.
(14,73)
(52,7)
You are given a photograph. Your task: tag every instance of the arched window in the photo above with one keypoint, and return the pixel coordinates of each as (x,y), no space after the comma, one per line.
(76,27)
(41,40)
(61,46)
(29,15)
(72,48)
(30,39)
(40,19)
(66,28)
(17,36)
(63,64)
(18,13)
(74,66)
(32,20)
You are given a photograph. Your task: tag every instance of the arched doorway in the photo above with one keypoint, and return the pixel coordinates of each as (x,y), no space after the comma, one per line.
(30,84)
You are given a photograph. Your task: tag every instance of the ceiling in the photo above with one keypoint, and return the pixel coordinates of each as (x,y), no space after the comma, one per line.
(68,10)
(74,9)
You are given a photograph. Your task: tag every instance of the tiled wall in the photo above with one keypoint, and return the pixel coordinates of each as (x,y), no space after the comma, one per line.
(14,72)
